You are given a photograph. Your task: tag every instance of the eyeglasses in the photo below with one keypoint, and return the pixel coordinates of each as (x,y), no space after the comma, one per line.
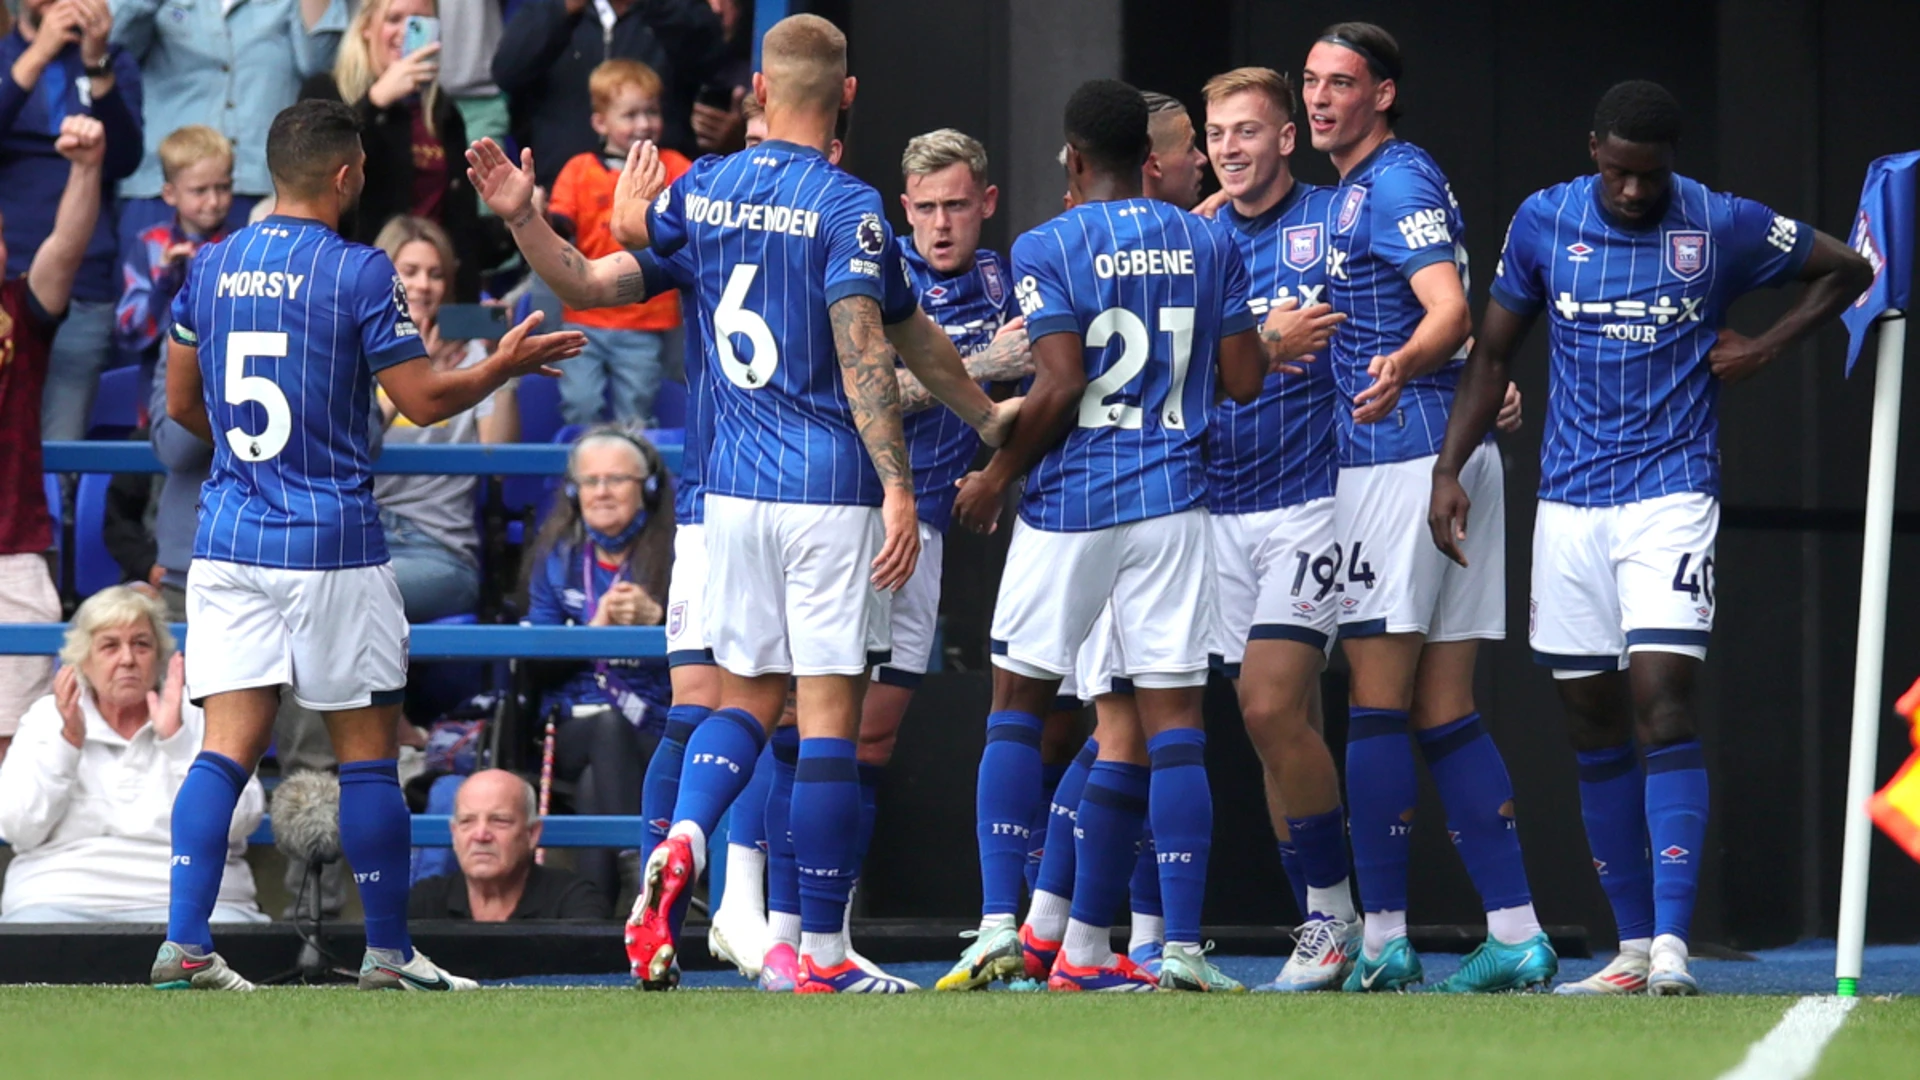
(594,483)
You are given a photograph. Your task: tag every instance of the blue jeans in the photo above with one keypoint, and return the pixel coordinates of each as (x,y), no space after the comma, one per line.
(628,359)
(81,350)
(435,580)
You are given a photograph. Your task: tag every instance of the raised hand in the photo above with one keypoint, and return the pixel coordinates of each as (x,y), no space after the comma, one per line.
(83,141)
(507,189)
(641,182)
(163,708)
(406,76)
(66,699)
(522,352)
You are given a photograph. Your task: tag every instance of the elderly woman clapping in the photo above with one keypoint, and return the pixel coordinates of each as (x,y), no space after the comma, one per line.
(87,791)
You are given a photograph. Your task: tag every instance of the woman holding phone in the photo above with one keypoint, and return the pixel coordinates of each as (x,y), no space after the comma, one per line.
(415,139)
(429,520)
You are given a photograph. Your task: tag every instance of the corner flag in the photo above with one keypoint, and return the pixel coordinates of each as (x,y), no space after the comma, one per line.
(1883,234)
(1896,809)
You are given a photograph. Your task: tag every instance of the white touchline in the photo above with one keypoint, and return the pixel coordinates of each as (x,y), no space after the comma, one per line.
(1792,1049)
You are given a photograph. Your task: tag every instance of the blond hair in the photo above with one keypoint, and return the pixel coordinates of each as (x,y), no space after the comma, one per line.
(189,146)
(404,229)
(938,149)
(751,108)
(117,605)
(353,67)
(1258,80)
(804,59)
(613,76)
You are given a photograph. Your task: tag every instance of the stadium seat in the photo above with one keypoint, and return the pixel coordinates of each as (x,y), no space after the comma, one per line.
(670,405)
(93,567)
(539,397)
(56,507)
(116,405)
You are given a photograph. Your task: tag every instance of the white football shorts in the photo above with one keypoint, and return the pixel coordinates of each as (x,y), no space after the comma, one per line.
(1395,580)
(916,614)
(789,588)
(687,598)
(1157,574)
(1279,577)
(338,638)
(1613,580)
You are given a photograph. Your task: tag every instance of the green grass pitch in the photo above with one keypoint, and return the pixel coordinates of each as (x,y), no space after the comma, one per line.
(61,1032)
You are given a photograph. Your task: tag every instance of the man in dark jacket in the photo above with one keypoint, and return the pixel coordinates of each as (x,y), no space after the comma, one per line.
(496,827)
(550,47)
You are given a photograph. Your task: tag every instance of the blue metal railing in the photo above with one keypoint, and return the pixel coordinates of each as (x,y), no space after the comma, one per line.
(507,459)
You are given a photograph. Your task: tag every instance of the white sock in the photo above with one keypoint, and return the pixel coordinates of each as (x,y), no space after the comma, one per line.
(1513,925)
(1335,901)
(1383,927)
(1642,946)
(990,923)
(697,838)
(784,927)
(746,881)
(825,950)
(1087,946)
(1047,915)
(1670,948)
(1190,948)
(846,914)
(1146,930)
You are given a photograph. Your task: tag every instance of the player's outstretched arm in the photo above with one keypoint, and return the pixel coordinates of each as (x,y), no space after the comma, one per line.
(83,142)
(641,181)
(1442,330)
(1835,275)
(427,396)
(931,358)
(1477,402)
(1051,408)
(185,405)
(1005,359)
(580,282)
(866,368)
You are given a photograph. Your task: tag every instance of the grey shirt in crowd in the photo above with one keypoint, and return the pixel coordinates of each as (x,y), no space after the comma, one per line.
(469,35)
(440,506)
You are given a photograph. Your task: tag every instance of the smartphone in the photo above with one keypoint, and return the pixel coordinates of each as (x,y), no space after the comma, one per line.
(715,96)
(422,31)
(472,322)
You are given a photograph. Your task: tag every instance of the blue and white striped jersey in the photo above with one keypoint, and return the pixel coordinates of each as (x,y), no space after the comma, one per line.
(771,237)
(1632,313)
(1279,450)
(1391,217)
(1150,290)
(291,321)
(674,272)
(970,306)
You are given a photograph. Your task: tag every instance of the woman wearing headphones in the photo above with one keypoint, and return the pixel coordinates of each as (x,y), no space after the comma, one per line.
(601,559)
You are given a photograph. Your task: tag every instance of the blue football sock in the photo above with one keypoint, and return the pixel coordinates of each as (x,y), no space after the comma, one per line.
(783,879)
(202,814)
(1478,795)
(1143,892)
(826,827)
(1057,861)
(1321,841)
(869,811)
(747,821)
(1613,804)
(1182,816)
(661,786)
(376,836)
(720,758)
(1382,789)
(1113,811)
(1037,839)
(1296,877)
(1008,791)
(1677,829)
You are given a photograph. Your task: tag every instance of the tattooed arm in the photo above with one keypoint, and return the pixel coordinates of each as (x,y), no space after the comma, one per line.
(1005,359)
(578,281)
(866,367)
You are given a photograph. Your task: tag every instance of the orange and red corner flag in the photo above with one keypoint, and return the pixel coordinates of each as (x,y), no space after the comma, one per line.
(1896,808)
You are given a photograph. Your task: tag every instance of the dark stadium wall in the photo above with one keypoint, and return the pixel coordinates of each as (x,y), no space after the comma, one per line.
(1787,102)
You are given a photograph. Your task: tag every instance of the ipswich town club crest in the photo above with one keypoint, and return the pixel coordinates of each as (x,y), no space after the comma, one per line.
(676,619)
(1301,248)
(1350,208)
(991,280)
(1687,253)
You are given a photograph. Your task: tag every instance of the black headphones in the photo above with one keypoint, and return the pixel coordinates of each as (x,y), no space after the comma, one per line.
(649,456)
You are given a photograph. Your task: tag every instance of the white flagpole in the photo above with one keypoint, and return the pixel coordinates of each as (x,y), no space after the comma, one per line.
(1870,652)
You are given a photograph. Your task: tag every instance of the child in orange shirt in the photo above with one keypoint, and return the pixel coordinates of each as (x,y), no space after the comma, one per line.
(625,345)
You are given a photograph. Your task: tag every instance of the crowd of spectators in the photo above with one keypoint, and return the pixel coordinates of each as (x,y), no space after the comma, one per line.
(132,134)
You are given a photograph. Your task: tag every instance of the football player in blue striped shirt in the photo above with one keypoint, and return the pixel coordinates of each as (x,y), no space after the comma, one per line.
(278,335)
(1634,267)
(1131,305)
(1270,478)
(1410,621)
(810,520)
